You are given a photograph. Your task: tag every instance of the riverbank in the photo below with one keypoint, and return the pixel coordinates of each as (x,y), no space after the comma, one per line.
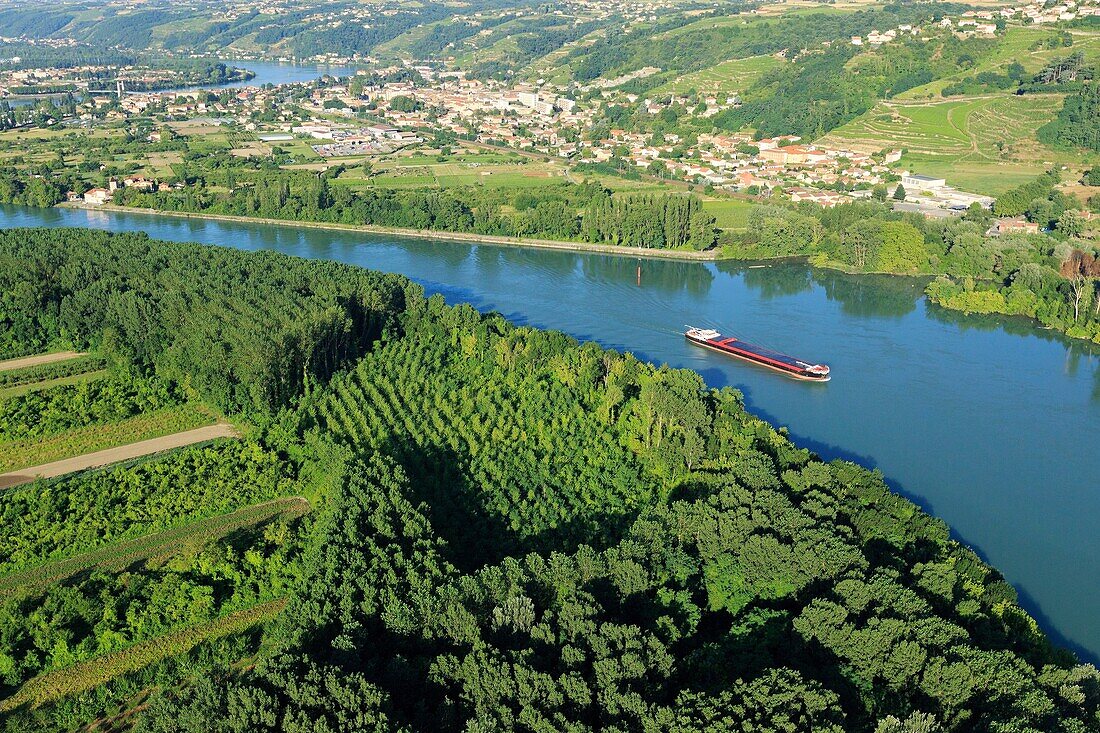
(607,249)
(712,255)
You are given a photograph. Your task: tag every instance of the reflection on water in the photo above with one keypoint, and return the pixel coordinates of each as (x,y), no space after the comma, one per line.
(663,276)
(880,296)
(775,281)
(980,419)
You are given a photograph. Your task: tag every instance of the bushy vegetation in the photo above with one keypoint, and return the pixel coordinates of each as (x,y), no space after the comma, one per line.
(45,413)
(102,611)
(1017,274)
(515,532)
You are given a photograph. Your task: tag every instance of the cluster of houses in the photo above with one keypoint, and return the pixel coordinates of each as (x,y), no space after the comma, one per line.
(349,141)
(983,23)
(544,119)
(100,196)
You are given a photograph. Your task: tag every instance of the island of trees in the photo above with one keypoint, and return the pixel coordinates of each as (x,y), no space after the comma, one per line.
(437,520)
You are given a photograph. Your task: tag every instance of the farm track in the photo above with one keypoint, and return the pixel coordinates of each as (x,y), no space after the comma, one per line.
(119,556)
(25,362)
(117,454)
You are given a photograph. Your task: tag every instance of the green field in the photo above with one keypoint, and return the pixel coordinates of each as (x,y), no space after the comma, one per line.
(983,144)
(729,213)
(729,76)
(433,174)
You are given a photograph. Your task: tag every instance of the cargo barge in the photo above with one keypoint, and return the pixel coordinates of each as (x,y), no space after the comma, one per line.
(792,367)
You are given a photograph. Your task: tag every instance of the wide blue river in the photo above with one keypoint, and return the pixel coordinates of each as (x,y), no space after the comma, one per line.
(986,422)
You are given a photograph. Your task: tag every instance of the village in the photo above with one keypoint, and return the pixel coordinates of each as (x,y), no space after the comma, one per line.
(537,120)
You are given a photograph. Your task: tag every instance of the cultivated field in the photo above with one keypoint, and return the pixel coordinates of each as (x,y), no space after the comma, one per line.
(729,213)
(26,362)
(117,454)
(16,457)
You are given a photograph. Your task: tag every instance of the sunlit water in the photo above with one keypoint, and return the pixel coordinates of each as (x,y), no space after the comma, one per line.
(267,72)
(986,422)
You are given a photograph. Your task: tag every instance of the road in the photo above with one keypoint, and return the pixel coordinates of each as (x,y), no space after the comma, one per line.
(31,361)
(115,455)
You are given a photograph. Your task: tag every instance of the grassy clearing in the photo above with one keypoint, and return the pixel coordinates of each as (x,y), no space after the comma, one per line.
(86,675)
(729,76)
(729,213)
(33,452)
(49,383)
(170,542)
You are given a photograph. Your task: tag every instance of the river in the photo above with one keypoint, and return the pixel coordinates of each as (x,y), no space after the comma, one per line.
(985,422)
(267,72)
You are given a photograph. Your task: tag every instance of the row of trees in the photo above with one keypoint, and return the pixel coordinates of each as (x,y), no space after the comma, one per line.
(674,222)
(585,211)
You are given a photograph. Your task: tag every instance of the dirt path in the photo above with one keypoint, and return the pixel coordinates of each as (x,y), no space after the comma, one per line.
(30,361)
(114,455)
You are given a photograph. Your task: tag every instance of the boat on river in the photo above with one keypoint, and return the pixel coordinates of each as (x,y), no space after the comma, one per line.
(731,346)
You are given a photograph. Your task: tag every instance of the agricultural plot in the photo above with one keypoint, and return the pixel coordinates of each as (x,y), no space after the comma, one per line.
(135,500)
(27,362)
(727,77)
(982,144)
(126,452)
(69,364)
(20,454)
(448,175)
(79,378)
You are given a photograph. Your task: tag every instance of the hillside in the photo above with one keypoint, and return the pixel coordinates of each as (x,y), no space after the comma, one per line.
(437,520)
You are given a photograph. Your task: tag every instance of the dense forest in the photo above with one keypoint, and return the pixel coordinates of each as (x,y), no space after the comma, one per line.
(1078,122)
(507,530)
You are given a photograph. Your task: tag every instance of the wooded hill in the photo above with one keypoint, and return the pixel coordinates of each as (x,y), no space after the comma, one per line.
(511,531)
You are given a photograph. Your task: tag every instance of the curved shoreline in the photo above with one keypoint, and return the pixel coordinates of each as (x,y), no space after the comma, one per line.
(606,249)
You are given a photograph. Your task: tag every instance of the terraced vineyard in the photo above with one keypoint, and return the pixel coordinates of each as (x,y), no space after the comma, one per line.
(983,144)
(727,77)
(1017,45)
